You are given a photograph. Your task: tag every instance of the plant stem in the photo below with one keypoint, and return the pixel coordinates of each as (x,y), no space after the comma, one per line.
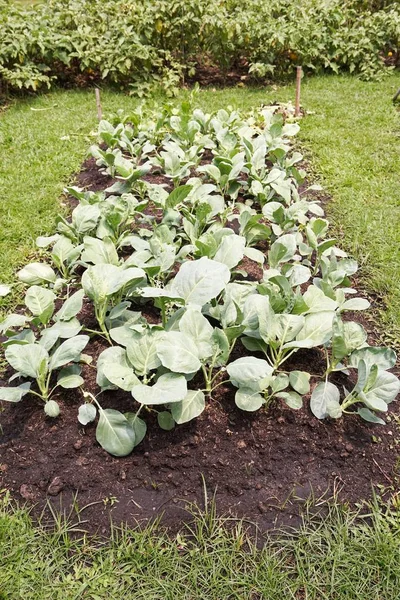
(163,312)
(348,401)
(207,379)
(218,384)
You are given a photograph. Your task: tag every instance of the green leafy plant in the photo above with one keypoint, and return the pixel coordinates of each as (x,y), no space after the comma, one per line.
(34,361)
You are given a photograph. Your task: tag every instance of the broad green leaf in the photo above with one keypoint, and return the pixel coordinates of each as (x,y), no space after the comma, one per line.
(194,325)
(71,307)
(362,375)
(4,290)
(255,255)
(299,274)
(384,358)
(40,302)
(254,345)
(168,293)
(369,416)
(169,388)
(221,342)
(14,394)
(383,391)
(121,310)
(325,401)
(123,166)
(114,433)
(317,301)
(11,321)
(300,381)
(138,425)
(282,250)
(178,195)
(165,420)
(200,281)
(37,273)
(112,355)
(178,352)
(64,251)
(101,281)
(317,330)
(85,217)
(248,370)
(279,382)
(355,304)
(347,336)
(248,399)
(52,409)
(45,241)
(70,377)
(123,335)
(26,336)
(286,326)
(142,351)
(99,251)
(189,408)
(292,399)
(87,413)
(120,375)
(31,360)
(259,317)
(231,250)
(61,329)
(68,351)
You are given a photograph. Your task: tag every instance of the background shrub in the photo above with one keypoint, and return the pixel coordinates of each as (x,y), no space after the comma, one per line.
(136,43)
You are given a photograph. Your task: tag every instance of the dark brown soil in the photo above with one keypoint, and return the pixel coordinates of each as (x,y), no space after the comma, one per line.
(254,463)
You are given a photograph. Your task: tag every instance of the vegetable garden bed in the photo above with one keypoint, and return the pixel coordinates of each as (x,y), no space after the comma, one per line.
(206,267)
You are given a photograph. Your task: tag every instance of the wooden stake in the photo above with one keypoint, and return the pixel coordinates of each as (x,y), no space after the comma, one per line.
(98,104)
(299,72)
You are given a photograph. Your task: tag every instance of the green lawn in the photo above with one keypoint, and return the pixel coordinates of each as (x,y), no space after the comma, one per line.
(341,557)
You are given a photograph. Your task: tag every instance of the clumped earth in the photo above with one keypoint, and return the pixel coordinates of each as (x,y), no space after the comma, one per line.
(259,465)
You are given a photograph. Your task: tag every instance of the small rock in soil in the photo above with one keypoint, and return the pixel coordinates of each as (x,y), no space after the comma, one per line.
(349,447)
(78,444)
(56,486)
(281,420)
(262,508)
(26,492)
(3,468)
(241,444)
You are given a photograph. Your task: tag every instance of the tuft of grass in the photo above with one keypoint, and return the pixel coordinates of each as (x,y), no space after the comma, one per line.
(341,556)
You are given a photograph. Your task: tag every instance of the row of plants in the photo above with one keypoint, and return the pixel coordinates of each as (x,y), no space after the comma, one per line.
(203,226)
(138,45)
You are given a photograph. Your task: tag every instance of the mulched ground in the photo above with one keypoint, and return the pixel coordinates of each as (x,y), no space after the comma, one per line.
(258,465)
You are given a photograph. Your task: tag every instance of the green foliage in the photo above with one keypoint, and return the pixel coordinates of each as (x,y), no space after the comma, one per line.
(142,45)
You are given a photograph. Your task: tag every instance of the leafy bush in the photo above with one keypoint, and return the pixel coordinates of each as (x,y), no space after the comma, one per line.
(179,249)
(139,44)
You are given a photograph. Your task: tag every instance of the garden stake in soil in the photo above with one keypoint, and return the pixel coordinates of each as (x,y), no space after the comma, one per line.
(299,73)
(98,104)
